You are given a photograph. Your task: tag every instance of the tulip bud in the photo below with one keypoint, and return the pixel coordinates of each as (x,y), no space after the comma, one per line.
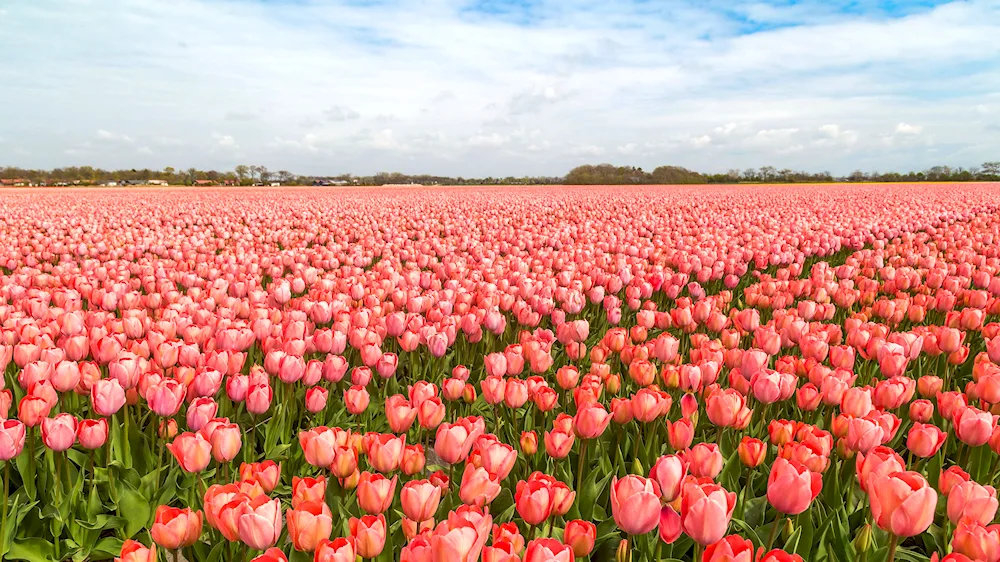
(529,443)
(863,539)
(637,467)
(624,553)
(789,528)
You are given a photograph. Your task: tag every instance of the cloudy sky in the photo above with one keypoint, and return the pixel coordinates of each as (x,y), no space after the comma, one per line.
(499,87)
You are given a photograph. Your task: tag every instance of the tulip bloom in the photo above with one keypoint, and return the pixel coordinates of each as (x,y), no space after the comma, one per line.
(259,526)
(669,472)
(558,443)
(970,500)
(369,533)
(706,510)
(548,550)
(308,524)
(752,451)
(704,460)
(59,433)
(12,433)
(976,541)
(375,492)
(733,548)
(420,499)
(534,501)
(791,487)
(338,550)
(925,440)
(973,427)
(580,536)
(591,420)
(134,551)
(386,452)
(454,441)
(308,489)
(902,503)
(635,504)
(175,528)
(92,434)
(478,487)
(192,451)
(226,442)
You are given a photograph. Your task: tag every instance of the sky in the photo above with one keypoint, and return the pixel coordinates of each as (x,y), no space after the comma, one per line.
(499,87)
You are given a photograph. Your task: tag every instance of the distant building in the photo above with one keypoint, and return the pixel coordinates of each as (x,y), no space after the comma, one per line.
(275,184)
(157,182)
(202,183)
(15,182)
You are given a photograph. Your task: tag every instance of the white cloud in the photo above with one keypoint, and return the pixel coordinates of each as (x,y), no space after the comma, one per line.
(113,137)
(652,82)
(225,141)
(586,150)
(492,139)
(701,142)
(907,129)
(144,150)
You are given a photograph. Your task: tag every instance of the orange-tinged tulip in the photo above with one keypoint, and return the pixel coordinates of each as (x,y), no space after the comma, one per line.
(902,503)
(175,528)
(368,533)
(308,524)
(134,551)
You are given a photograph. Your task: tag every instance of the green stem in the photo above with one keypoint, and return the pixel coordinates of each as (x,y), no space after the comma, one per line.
(581,466)
(893,541)
(6,494)
(774,532)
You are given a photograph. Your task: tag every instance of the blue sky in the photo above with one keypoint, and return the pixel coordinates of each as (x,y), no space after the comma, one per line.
(499,87)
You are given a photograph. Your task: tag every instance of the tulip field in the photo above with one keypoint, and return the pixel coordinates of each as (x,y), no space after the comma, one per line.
(632,373)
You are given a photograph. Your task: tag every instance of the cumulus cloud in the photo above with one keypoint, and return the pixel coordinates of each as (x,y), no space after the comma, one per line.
(706,85)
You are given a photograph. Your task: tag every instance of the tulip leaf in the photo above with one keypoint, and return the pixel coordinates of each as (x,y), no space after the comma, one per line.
(805,544)
(731,473)
(748,531)
(933,470)
(910,556)
(108,546)
(27,470)
(299,556)
(591,491)
(32,550)
(136,507)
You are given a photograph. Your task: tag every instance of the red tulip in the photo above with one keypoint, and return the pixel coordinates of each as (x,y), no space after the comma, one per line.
(134,551)
(733,548)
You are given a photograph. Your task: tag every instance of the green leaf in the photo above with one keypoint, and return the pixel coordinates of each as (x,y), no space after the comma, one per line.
(731,473)
(32,550)
(108,546)
(591,492)
(298,556)
(134,507)
(804,547)
(27,471)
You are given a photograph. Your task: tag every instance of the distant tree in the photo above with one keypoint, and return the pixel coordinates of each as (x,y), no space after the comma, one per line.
(242,172)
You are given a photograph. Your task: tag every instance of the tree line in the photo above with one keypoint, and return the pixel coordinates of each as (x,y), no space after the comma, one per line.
(601,174)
